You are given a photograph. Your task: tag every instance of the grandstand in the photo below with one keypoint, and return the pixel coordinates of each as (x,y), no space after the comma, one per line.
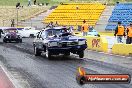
(75,13)
(123,13)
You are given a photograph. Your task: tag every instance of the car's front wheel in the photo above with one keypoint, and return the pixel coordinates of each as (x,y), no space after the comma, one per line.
(48,54)
(67,54)
(20,40)
(4,41)
(81,54)
(37,51)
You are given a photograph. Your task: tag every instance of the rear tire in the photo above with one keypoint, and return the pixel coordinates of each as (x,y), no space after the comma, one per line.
(4,41)
(20,40)
(17,41)
(31,36)
(98,35)
(37,51)
(81,54)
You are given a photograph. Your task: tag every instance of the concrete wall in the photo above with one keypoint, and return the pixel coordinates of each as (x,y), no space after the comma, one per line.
(122,49)
(95,43)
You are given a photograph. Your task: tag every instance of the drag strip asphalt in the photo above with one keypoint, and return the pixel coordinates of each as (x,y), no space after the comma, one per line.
(39,72)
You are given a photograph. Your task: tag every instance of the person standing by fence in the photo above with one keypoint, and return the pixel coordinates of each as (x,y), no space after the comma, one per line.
(12,23)
(119,32)
(129,34)
(50,25)
(56,24)
(85,28)
(35,2)
(29,2)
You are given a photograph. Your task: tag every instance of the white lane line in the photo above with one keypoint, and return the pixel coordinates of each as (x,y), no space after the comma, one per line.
(11,78)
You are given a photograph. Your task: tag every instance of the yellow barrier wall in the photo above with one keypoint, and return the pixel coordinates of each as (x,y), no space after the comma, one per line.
(97,43)
(122,49)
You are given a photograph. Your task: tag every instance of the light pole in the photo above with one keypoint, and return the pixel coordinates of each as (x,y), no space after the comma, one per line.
(17,15)
(76,16)
(31,22)
(17,12)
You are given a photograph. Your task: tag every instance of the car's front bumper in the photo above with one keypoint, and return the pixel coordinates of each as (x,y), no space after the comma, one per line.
(73,49)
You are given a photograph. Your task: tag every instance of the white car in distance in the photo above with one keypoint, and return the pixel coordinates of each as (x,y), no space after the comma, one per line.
(28,32)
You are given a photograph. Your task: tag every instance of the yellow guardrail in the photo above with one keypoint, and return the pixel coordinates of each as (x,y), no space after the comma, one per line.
(122,49)
(94,42)
(97,43)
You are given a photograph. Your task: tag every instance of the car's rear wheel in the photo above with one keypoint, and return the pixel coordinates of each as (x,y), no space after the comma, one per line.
(31,36)
(37,51)
(17,41)
(98,35)
(48,54)
(20,40)
(81,54)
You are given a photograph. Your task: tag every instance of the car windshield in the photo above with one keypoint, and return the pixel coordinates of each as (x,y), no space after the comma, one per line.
(10,30)
(53,32)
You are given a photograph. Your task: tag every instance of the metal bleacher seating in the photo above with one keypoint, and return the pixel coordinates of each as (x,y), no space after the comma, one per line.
(123,13)
(75,13)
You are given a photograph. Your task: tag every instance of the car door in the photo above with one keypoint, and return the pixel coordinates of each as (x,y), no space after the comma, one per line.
(27,31)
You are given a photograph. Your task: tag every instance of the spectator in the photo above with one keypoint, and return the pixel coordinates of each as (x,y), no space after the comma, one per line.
(71,29)
(35,2)
(117,2)
(47,4)
(56,24)
(50,25)
(91,28)
(119,32)
(12,23)
(77,7)
(18,5)
(42,4)
(65,30)
(79,28)
(61,3)
(85,28)
(29,2)
(129,34)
